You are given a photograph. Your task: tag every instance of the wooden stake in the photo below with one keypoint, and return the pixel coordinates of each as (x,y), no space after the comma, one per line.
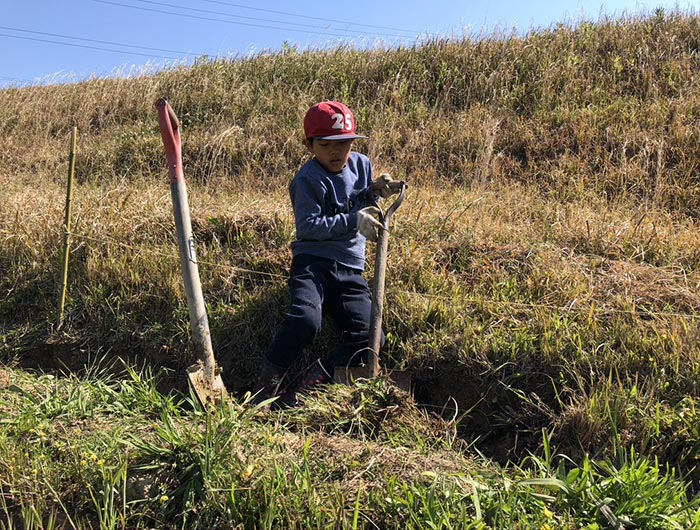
(66,225)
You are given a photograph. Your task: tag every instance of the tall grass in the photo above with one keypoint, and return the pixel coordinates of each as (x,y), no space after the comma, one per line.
(604,107)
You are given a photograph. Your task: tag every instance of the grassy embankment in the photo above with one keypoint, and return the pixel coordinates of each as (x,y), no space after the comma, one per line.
(542,287)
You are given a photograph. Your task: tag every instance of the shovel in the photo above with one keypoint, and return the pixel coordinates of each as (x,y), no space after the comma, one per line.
(347,374)
(203,375)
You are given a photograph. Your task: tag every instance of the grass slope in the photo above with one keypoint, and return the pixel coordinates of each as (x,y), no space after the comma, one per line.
(542,288)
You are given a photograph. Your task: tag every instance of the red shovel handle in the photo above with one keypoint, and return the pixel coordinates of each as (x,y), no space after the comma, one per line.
(170,132)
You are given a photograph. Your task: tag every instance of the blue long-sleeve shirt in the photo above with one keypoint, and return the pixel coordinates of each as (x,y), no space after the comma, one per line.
(325,210)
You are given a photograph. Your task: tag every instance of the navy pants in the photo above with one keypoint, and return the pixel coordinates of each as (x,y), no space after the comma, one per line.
(319,286)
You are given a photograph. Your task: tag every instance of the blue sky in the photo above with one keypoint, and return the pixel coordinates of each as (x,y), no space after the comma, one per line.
(47,41)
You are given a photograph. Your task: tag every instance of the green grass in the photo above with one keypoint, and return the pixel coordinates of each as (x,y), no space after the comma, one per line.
(108,450)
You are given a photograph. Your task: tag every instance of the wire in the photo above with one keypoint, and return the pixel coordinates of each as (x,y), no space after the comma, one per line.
(503,303)
(309,29)
(85,46)
(286,13)
(568,308)
(327,33)
(154,2)
(207,11)
(173,256)
(466,300)
(98,41)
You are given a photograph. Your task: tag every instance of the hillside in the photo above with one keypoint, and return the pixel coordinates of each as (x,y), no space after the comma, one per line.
(542,282)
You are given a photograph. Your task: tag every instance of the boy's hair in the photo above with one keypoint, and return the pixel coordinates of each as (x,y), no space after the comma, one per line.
(330,120)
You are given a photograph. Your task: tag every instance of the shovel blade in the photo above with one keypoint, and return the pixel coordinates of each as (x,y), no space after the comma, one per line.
(209,393)
(347,374)
(402,379)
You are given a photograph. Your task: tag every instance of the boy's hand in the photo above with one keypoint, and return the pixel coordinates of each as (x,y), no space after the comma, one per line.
(367,224)
(384,186)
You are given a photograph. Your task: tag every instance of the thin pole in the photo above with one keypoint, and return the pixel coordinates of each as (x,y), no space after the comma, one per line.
(66,224)
(377,310)
(375,325)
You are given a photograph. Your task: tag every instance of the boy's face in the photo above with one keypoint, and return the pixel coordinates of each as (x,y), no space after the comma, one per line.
(332,154)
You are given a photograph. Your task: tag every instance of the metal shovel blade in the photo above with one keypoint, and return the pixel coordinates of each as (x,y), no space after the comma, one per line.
(208,392)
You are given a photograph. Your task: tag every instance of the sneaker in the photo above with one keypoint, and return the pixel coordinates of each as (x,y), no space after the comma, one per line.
(267,383)
(314,376)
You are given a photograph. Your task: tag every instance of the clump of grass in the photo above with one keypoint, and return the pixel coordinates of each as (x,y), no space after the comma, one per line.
(373,410)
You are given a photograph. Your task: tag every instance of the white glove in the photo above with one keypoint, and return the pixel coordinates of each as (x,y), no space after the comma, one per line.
(384,186)
(367,223)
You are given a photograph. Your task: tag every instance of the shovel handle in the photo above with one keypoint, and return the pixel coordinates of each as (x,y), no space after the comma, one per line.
(375,319)
(386,217)
(170,132)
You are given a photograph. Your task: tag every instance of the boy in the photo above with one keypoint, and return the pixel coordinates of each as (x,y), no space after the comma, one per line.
(332,198)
